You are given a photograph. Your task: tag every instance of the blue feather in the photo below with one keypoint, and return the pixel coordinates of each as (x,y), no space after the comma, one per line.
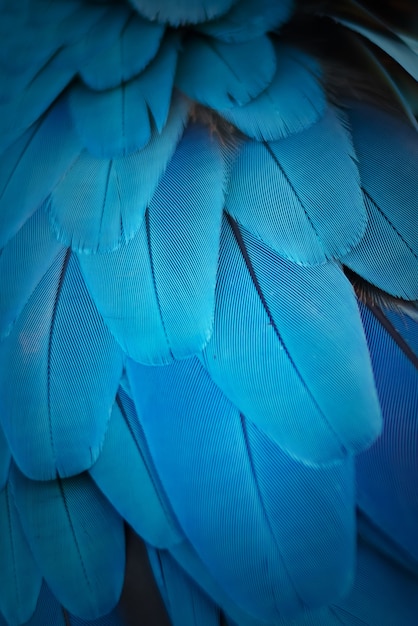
(307,208)
(145,506)
(4,459)
(166,310)
(117,122)
(223,75)
(108,207)
(387,149)
(23,263)
(32,167)
(77,539)
(291,103)
(127,56)
(185,602)
(184,223)
(20,579)
(239,498)
(46,366)
(386,473)
(288,341)
(182,11)
(249,19)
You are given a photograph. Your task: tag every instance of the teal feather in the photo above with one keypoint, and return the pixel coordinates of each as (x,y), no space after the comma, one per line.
(5,458)
(117,122)
(77,539)
(145,507)
(20,579)
(387,149)
(326,403)
(233,74)
(33,166)
(107,208)
(127,56)
(307,208)
(292,102)
(249,19)
(46,364)
(182,11)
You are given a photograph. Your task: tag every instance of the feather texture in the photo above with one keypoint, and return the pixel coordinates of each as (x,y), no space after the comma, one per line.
(183,11)
(307,210)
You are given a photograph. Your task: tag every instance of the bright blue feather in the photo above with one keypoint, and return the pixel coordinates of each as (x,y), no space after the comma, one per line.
(182,11)
(223,75)
(291,103)
(249,19)
(239,498)
(20,579)
(100,203)
(387,472)
(117,122)
(130,54)
(184,222)
(156,313)
(307,209)
(387,149)
(129,482)
(288,342)
(32,167)
(46,366)
(77,539)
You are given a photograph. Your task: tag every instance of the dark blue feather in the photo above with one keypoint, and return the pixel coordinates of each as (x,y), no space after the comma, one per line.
(223,75)
(127,56)
(288,341)
(301,195)
(32,167)
(291,103)
(182,11)
(77,539)
(23,263)
(117,122)
(46,366)
(20,579)
(249,19)
(386,473)
(101,203)
(387,149)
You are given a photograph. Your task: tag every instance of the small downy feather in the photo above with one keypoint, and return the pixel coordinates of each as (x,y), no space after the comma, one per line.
(239,498)
(20,579)
(288,341)
(33,166)
(60,371)
(301,195)
(386,473)
(144,507)
(291,103)
(387,150)
(77,539)
(223,75)
(249,19)
(156,313)
(126,57)
(117,122)
(101,203)
(182,11)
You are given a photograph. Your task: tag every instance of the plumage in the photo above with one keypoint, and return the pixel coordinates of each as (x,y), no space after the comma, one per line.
(208,313)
